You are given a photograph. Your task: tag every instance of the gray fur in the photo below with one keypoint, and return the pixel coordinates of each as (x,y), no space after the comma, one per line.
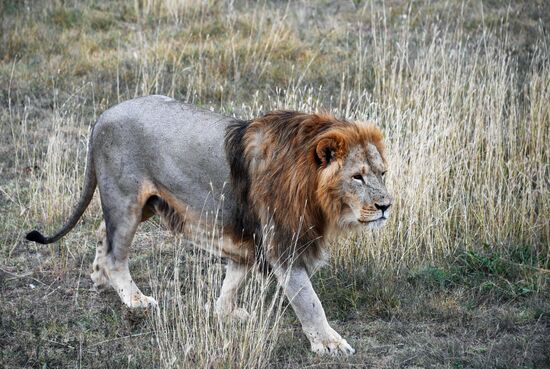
(139,150)
(172,144)
(176,145)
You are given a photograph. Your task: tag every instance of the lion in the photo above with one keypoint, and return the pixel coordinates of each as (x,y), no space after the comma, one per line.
(267,192)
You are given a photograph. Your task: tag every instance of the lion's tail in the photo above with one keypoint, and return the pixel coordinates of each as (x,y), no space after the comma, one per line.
(90,183)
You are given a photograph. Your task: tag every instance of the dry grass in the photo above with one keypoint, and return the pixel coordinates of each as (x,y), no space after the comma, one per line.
(469,154)
(187,331)
(461,95)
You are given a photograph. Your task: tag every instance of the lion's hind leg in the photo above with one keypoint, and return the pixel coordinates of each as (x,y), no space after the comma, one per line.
(99,273)
(225,305)
(121,223)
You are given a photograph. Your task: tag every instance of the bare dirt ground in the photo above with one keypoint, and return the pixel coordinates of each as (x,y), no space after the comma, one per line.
(53,318)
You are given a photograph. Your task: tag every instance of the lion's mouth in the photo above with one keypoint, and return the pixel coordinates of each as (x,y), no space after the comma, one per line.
(382,218)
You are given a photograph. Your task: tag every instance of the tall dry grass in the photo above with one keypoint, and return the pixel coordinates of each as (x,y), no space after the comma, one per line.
(468,148)
(188,331)
(467,144)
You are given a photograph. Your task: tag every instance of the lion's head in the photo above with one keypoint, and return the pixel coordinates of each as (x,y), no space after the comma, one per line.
(311,176)
(351,168)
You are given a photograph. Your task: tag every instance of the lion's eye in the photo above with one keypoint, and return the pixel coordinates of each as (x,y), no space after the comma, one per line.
(358,177)
(384,173)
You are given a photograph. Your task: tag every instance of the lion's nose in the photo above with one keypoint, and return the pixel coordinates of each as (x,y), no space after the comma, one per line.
(382,207)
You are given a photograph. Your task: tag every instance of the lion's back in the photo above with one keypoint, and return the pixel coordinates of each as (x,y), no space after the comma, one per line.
(174,144)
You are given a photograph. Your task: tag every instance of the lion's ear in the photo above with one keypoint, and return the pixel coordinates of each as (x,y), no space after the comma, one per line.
(327,150)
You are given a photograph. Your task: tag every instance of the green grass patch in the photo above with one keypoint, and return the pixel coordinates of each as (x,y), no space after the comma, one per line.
(64,17)
(516,274)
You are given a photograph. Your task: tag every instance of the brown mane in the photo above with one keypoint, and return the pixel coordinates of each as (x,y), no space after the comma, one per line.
(285,153)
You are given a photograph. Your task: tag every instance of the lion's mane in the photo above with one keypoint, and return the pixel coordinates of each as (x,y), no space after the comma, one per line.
(288,201)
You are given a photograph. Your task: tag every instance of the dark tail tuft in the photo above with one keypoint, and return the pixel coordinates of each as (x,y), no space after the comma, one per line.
(36,237)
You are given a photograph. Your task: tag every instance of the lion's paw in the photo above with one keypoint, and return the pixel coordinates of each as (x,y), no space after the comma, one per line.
(333,348)
(140,301)
(100,279)
(332,345)
(240,314)
(225,312)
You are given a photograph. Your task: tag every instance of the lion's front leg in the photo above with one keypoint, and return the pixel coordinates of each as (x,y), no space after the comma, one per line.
(298,289)
(225,305)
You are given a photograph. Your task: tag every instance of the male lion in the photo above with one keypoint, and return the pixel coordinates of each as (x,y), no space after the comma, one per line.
(272,190)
